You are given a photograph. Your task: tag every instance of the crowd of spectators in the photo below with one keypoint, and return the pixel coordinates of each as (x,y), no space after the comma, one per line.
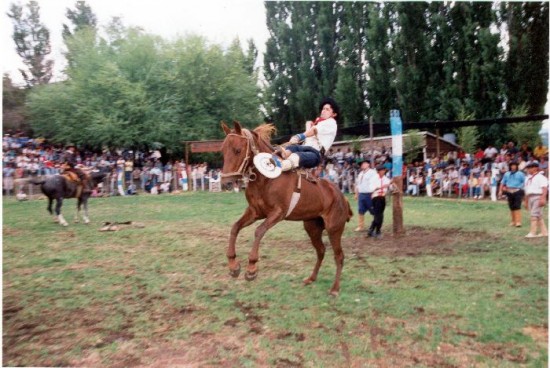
(473,175)
(131,172)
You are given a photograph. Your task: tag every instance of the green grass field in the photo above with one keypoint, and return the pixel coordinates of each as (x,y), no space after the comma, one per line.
(461,289)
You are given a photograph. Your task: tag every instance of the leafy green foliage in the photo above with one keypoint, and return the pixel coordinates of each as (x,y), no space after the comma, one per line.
(134,89)
(430,61)
(467,137)
(13,109)
(521,133)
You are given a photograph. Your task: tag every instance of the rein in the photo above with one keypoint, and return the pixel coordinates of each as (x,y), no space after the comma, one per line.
(245,169)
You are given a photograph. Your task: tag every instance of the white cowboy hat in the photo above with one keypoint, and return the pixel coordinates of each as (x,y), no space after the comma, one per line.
(268,165)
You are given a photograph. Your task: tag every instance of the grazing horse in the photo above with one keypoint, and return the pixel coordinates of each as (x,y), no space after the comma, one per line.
(59,187)
(321,205)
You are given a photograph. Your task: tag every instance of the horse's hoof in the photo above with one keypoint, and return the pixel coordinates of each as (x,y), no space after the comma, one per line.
(250,276)
(334,293)
(236,272)
(308,281)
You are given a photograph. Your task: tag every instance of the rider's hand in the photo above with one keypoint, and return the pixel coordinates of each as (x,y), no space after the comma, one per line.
(297,138)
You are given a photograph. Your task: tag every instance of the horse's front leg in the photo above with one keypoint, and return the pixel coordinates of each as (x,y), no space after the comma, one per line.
(78,205)
(248,218)
(84,202)
(58,204)
(254,256)
(86,218)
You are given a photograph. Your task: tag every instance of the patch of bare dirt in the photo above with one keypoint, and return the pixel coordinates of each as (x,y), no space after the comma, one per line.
(415,242)
(539,334)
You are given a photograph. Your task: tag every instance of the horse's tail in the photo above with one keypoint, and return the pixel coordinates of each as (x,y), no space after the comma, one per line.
(350,212)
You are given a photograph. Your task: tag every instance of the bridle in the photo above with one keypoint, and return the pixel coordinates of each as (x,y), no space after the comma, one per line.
(245,169)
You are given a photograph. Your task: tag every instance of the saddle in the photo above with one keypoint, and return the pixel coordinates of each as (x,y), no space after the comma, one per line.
(72,176)
(308,174)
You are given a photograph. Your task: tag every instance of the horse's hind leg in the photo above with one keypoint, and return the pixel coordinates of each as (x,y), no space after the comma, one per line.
(314,229)
(246,219)
(335,236)
(50,202)
(58,204)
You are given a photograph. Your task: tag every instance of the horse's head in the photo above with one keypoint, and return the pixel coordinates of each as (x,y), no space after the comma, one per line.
(237,152)
(239,148)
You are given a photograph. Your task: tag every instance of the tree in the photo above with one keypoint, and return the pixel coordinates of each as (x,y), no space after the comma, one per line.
(467,136)
(132,89)
(380,86)
(526,66)
(32,43)
(351,81)
(524,132)
(13,106)
(300,63)
(81,17)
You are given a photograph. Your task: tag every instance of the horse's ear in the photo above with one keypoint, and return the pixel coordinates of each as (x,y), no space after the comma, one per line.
(225,127)
(237,127)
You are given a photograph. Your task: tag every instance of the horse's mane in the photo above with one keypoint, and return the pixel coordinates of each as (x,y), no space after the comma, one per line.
(265,131)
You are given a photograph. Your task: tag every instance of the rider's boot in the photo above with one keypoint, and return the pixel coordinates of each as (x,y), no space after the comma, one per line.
(292,162)
(282,152)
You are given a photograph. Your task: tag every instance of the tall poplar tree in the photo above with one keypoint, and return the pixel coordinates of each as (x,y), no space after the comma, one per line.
(351,81)
(526,66)
(81,17)
(380,86)
(32,43)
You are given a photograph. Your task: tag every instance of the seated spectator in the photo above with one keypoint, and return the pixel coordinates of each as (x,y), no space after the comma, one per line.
(474,186)
(490,152)
(165,187)
(479,155)
(540,151)
(131,189)
(412,187)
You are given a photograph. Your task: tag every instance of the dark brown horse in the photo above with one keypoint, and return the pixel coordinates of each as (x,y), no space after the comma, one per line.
(59,187)
(321,205)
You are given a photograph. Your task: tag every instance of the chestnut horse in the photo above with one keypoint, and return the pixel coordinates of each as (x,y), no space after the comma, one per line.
(321,205)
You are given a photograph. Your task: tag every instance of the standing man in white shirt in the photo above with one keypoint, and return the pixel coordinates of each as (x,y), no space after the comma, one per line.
(363,192)
(536,190)
(380,184)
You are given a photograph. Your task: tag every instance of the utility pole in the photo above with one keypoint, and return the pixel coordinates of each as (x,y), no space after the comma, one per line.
(397,172)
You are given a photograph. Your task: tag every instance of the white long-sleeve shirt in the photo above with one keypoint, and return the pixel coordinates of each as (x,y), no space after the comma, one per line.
(363,183)
(326,134)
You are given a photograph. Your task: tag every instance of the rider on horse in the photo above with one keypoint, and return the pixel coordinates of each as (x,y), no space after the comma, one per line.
(306,149)
(70,166)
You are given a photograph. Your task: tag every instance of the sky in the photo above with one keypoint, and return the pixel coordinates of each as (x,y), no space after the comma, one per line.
(220,21)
